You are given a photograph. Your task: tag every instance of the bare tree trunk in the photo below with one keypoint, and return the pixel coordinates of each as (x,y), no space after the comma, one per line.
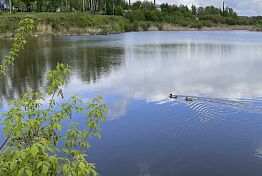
(113,7)
(10,6)
(223,8)
(83,3)
(105,8)
(66,5)
(90,5)
(97,7)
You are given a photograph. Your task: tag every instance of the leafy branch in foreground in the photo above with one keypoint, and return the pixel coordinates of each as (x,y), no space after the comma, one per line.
(26,26)
(37,140)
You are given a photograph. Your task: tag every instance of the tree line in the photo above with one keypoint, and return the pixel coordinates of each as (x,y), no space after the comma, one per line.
(108,7)
(183,15)
(142,12)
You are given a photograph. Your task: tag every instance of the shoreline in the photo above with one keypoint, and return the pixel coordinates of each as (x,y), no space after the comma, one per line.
(47,31)
(65,24)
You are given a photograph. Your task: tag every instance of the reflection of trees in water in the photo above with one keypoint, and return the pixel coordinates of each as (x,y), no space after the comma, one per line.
(93,63)
(42,54)
(190,50)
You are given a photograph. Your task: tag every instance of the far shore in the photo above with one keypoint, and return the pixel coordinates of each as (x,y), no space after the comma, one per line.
(76,23)
(166,27)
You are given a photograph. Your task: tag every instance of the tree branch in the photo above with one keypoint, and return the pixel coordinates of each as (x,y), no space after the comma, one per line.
(2,146)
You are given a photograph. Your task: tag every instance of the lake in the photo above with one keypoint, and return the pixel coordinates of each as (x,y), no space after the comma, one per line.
(146,132)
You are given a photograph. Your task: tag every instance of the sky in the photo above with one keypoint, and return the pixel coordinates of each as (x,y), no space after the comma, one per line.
(243,7)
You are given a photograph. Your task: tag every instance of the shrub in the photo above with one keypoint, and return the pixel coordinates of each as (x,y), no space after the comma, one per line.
(151,15)
(137,15)
(119,10)
(197,25)
(33,124)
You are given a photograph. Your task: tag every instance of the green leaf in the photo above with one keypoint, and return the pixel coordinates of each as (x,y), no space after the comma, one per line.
(45,169)
(28,172)
(21,171)
(65,167)
(12,165)
(82,165)
(99,136)
(39,164)
(59,127)
(34,151)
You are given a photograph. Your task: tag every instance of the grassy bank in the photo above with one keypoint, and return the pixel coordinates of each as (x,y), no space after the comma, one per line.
(65,23)
(75,23)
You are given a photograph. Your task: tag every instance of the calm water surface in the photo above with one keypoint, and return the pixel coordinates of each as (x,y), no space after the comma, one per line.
(148,134)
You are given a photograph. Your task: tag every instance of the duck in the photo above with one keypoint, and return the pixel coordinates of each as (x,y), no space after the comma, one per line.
(173,96)
(188,99)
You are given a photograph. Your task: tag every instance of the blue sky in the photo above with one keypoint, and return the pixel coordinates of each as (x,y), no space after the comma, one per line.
(243,7)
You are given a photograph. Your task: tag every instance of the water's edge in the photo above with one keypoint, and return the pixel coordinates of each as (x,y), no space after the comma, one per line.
(46,30)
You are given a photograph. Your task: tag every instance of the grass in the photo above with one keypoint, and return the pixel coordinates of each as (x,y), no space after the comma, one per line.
(66,21)
(87,23)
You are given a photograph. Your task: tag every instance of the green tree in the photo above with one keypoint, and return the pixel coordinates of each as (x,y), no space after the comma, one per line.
(165,8)
(28,4)
(119,10)
(137,15)
(33,130)
(39,5)
(194,10)
(151,15)
(136,5)
(200,11)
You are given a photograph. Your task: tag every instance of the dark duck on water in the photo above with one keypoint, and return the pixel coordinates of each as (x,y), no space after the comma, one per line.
(173,96)
(188,99)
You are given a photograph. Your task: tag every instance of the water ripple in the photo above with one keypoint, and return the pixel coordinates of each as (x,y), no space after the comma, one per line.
(216,108)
